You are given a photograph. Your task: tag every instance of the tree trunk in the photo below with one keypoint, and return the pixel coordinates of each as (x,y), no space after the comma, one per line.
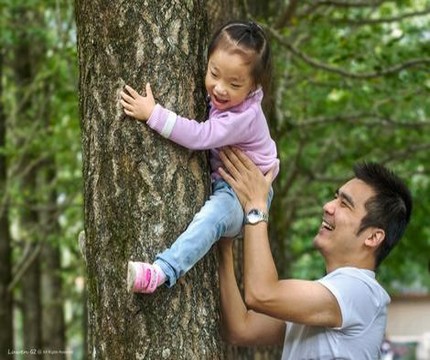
(53,314)
(31,305)
(53,324)
(30,282)
(140,190)
(6,300)
(221,11)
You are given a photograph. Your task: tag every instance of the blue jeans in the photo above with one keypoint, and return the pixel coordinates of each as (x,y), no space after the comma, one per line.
(220,216)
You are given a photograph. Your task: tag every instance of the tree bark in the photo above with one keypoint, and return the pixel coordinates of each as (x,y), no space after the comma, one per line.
(221,11)
(141,191)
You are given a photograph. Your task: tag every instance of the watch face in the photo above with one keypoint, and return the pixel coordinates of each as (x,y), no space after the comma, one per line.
(255,216)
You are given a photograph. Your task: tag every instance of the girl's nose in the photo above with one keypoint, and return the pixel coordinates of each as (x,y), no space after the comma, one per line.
(220,89)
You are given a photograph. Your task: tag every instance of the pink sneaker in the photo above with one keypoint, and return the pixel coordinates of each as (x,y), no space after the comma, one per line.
(142,277)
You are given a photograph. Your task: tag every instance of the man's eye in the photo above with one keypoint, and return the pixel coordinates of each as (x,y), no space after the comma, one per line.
(346,204)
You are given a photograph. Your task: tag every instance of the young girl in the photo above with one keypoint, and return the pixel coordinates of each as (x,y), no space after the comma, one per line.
(238,66)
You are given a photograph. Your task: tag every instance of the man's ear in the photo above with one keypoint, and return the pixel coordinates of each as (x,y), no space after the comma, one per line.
(375,238)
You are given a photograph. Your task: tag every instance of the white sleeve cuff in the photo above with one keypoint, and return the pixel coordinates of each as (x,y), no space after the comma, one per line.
(168,125)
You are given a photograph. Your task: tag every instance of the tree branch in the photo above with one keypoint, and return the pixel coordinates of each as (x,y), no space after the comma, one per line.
(350,4)
(381,20)
(29,256)
(405,153)
(336,70)
(360,117)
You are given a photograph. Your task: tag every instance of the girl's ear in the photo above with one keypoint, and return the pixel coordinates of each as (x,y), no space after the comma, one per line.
(375,238)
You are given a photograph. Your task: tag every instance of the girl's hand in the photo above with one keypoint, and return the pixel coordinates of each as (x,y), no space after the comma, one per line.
(138,106)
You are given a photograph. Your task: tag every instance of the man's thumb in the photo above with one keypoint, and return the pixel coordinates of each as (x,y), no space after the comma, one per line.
(270,174)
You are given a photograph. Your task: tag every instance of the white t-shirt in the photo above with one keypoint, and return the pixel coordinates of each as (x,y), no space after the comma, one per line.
(363,304)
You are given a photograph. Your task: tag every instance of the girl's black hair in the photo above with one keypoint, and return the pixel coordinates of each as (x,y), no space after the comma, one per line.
(248,39)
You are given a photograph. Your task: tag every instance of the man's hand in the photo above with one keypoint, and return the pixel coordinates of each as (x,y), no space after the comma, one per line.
(138,106)
(250,185)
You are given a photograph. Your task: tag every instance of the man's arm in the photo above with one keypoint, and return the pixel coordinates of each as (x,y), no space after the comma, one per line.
(299,301)
(241,326)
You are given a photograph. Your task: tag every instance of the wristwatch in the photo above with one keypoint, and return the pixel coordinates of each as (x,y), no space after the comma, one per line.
(255,216)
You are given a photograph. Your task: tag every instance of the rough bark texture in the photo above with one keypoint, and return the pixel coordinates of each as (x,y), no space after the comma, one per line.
(141,191)
(221,11)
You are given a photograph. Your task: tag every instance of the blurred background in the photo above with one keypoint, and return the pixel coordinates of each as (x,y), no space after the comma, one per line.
(351,83)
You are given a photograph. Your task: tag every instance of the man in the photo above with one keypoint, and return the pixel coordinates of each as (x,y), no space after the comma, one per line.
(341,316)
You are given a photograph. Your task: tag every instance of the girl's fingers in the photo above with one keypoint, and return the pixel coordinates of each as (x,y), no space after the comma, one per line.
(131,91)
(149,90)
(125,97)
(126,105)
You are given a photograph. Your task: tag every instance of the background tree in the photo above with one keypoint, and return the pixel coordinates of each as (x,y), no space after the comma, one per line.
(26,58)
(6,300)
(35,191)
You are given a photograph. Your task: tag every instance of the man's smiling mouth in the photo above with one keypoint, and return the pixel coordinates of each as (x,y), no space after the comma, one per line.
(326,225)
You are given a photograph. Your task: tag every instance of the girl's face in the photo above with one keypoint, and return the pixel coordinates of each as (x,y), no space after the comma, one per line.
(228,79)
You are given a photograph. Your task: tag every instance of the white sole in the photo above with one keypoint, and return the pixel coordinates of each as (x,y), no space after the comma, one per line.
(131,276)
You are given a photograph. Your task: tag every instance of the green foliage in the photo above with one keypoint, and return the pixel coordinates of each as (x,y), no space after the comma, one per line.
(352,84)
(43,128)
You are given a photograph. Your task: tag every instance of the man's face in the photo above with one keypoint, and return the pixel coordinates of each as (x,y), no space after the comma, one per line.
(337,237)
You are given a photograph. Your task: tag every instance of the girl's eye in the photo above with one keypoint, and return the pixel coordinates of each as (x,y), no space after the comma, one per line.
(235,86)
(213,74)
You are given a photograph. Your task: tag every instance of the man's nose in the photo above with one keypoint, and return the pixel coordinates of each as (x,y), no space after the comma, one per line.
(329,206)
